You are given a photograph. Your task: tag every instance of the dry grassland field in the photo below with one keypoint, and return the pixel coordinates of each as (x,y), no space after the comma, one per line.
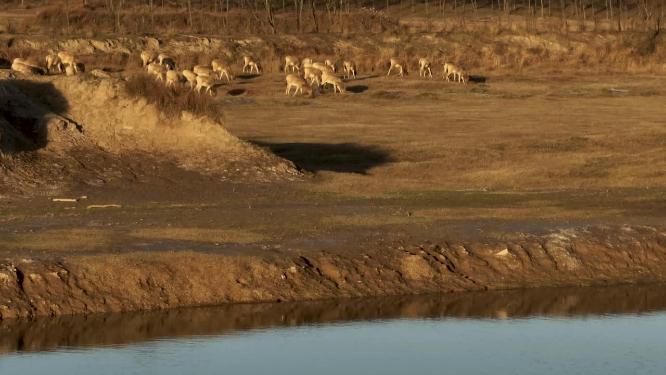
(542,170)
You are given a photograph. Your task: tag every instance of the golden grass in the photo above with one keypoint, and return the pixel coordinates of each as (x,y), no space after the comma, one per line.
(370,220)
(58,240)
(171,102)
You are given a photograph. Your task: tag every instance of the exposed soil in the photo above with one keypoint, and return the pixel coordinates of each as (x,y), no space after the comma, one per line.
(76,331)
(401,186)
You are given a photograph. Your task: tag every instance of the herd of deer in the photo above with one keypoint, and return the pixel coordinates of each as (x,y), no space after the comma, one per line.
(301,76)
(61,62)
(321,74)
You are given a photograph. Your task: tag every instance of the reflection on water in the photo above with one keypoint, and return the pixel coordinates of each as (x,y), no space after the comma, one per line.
(118,329)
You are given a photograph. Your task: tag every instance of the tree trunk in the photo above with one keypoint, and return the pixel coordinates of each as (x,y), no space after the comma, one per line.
(313,8)
(270,17)
(67,13)
(189,13)
(298,19)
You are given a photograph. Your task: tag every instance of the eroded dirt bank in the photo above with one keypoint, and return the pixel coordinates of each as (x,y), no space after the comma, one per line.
(135,281)
(42,334)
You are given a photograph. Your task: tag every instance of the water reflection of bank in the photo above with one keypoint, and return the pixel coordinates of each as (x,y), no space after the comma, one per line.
(126,328)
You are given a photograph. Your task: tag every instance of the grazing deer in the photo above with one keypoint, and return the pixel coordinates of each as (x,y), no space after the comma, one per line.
(222,69)
(349,69)
(147,57)
(191,78)
(69,59)
(306,62)
(203,70)
(249,65)
(156,70)
(296,82)
(172,78)
(53,62)
(291,64)
(330,64)
(398,65)
(424,68)
(455,71)
(313,75)
(333,80)
(322,67)
(207,83)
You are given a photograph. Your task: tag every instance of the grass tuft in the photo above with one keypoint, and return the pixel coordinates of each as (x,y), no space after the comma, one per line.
(172,102)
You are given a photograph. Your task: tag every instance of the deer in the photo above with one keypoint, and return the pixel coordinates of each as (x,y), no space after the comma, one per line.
(349,69)
(203,70)
(332,79)
(147,57)
(222,69)
(191,77)
(322,67)
(313,75)
(53,62)
(167,61)
(156,70)
(205,82)
(26,66)
(330,64)
(172,78)
(424,67)
(69,59)
(291,64)
(396,64)
(250,65)
(455,71)
(296,82)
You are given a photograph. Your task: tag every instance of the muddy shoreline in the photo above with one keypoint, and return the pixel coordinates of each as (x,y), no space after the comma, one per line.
(113,329)
(598,255)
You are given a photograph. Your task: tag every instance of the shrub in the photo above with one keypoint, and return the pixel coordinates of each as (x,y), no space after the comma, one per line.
(172,101)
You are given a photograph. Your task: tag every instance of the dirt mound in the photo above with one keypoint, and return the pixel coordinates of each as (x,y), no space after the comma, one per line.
(55,132)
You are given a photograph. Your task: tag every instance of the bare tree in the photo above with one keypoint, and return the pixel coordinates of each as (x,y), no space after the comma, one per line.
(116,6)
(270,16)
(298,9)
(313,8)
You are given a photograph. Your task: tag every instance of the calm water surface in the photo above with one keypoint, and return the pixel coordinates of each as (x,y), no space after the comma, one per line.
(620,330)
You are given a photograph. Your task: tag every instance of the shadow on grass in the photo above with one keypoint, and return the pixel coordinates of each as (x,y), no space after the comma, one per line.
(357,89)
(477,79)
(236,92)
(336,157)
(248,76)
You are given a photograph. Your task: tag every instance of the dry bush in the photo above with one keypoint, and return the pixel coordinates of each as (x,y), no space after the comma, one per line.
(111,62)
(172,102)
(12,52)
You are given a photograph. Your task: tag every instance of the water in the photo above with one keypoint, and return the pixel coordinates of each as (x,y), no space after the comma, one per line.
(619,330)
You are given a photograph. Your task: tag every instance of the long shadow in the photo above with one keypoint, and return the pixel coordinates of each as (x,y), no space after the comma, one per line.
(25,110)
(236,92)
(338,157)
(248,76)
(357,89)
(477,79)
(4,63)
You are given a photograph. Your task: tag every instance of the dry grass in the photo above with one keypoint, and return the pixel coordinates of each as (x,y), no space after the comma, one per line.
(514,213)
(198,235)
(169,101)
(371,220)
(58,240)
(468,141)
